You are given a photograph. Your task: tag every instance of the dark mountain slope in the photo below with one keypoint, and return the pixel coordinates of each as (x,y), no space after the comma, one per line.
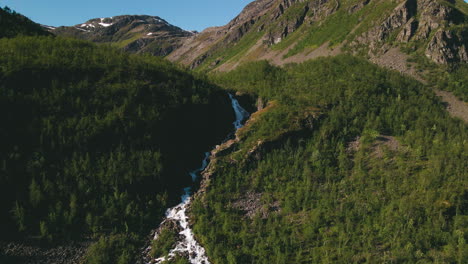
(96,141)
(13,24)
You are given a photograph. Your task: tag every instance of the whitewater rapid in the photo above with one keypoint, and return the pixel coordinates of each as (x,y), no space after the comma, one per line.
(188,246)
(241,113)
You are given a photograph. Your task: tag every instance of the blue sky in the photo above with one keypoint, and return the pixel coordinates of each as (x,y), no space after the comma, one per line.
(187,14)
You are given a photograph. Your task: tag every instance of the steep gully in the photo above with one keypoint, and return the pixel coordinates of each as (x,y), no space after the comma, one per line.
(187,245)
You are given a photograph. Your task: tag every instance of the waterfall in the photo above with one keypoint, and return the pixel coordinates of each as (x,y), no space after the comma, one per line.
(188,246)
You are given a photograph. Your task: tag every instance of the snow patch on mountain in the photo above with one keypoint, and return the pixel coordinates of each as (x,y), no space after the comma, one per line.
(105,24)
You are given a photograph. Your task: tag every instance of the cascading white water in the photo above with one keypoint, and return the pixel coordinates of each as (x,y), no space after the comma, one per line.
(241,113)
(188,245)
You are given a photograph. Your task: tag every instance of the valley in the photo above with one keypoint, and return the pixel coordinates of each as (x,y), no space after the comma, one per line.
(322,132)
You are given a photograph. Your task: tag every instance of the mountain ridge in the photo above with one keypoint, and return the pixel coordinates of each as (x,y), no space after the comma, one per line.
(288,31)
(134,33)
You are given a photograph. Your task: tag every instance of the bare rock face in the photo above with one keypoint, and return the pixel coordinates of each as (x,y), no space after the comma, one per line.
(401,17)
(448,47)
(311,12)
(358,6)
(286,26)
(432,14)
(417,20)
(408,31)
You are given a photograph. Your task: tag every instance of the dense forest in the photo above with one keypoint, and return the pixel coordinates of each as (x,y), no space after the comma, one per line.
(96,141)
(347,163)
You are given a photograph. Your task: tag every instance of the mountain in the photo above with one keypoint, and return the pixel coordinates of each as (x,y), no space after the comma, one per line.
(340,161)
(288,31)
(284,31)
(13,24)
(138,34)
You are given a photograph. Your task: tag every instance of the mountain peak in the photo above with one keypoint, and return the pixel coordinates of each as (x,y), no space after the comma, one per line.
(105,22)
(135,33)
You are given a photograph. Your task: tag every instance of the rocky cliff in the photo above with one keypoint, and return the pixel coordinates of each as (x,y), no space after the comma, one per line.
(437,27)
(284,31)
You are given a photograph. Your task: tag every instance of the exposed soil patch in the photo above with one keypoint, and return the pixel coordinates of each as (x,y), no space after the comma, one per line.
(32,253)
(251,204)
(382,142)
(323,51)
(455,106)
(396,60)
(378,146)
(354,145)
(260,52)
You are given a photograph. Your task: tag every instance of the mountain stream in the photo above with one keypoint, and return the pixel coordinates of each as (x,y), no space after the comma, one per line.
(187,245)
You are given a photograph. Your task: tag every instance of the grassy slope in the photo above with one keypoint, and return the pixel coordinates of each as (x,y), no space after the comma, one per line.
(234,51)
(338,27)
(335,29)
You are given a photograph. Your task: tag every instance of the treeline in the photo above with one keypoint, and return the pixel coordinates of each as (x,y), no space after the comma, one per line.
(456,81)
(97,141)
(379,177)
(13,24)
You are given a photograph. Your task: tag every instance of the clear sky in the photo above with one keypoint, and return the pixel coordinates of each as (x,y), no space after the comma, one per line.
(187,14)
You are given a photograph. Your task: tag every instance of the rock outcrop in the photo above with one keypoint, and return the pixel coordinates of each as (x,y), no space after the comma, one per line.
(425,21)
(251,204)
(289,25)
(448,47)
(402,18)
